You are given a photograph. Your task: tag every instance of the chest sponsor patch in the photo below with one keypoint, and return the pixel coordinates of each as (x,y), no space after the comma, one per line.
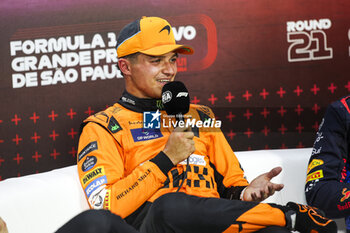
(97,172)
(89,163)
(195,160)
(87,149)
(141,134)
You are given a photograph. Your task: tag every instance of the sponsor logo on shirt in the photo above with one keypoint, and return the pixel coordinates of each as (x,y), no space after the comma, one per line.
(195,160)
(97,197)
(89,163)
(141,134)
(316,151)
(319,137)
(135,122)
(314,163)
(95,184)
(97,172)
(346,194)
(107,202)
(315,175)
(114,125)
(87,149)
(311,185)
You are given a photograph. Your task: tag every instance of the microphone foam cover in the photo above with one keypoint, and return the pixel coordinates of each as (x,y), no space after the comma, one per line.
(175,98)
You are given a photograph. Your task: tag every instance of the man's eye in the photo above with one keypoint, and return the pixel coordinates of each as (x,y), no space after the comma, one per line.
(155,61)
(173,59)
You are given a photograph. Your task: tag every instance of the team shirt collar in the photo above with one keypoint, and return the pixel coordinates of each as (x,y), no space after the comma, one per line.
(140,104)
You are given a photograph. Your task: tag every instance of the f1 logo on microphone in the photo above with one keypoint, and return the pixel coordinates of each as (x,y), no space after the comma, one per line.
(182,94)
(151,120)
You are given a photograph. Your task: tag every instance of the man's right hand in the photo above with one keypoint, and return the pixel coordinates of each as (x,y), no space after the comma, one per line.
(180,144)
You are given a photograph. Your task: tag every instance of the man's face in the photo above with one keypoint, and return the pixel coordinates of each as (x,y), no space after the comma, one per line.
(148,74)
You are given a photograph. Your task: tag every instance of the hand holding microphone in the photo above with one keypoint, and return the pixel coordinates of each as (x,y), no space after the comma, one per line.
(176,101)
(180,145)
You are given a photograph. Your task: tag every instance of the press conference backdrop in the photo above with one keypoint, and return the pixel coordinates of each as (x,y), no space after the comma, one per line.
(268,69)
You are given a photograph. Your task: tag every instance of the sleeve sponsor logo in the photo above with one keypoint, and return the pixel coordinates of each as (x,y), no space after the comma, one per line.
(95,184)
(320,127)
(134,185)
(316,151)
(315,175)
(141,134)
(345,173)
(345,197)
(89,163)
(311,185)
(87,149)
(314,163)
(319,137)
(97,172)
(346,194)
(114,125)
(107,202)
(97,198)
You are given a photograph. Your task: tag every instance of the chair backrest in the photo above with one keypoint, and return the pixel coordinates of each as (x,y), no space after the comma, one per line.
(293,175)
(41,203)
(294,164)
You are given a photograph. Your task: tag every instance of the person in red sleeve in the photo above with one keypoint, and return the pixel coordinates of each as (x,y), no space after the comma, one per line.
(161,179)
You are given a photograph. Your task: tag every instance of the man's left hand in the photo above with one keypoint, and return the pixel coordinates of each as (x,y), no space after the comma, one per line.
(261,187)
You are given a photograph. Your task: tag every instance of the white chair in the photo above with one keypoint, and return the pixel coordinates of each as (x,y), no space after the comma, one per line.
(41,203)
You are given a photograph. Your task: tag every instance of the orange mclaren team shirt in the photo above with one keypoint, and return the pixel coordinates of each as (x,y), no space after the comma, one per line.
(121,164)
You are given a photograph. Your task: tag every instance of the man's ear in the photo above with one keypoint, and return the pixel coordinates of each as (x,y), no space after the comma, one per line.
(124,66)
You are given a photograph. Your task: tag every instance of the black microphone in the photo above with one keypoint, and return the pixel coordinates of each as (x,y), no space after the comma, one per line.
(176,99)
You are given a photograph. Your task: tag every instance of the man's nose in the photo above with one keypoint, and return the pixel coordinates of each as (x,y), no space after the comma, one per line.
(169,68)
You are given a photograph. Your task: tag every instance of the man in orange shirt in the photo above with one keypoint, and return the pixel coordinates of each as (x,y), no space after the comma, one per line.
(162,179)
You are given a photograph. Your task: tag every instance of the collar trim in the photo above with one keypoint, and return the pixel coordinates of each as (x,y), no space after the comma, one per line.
(140,104)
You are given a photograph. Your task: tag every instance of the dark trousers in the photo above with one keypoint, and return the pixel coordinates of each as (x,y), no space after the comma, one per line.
(181,213)
(96,221)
